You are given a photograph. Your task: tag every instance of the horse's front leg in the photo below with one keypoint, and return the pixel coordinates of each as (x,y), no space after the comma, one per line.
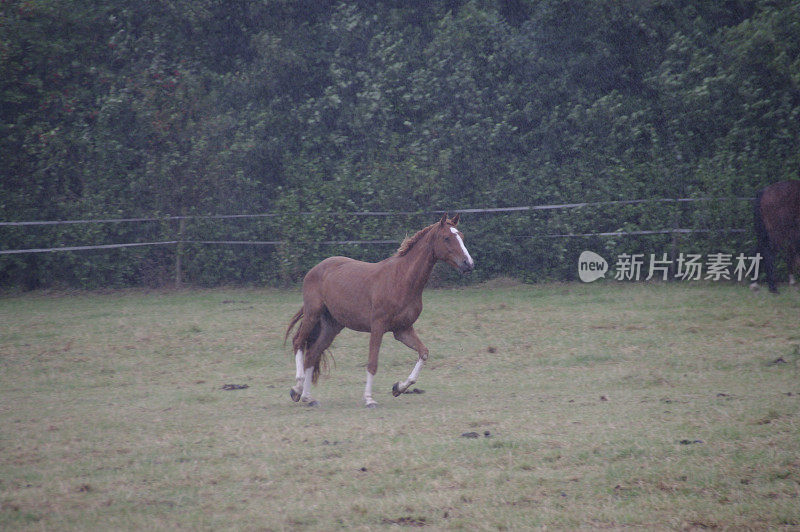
(375,338)
(409,337)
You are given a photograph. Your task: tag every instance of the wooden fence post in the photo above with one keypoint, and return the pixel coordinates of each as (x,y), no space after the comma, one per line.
(179,252)
(676,222)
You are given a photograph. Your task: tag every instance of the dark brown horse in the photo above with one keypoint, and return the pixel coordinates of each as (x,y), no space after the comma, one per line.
(371,297)
(777,221)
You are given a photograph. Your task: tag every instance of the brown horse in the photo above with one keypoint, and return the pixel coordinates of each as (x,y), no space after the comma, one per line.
(371,297)
(777,221)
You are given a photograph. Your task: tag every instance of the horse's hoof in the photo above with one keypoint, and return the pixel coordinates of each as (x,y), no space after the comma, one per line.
(294,395)
(396,389)
(372,405)
(313,402)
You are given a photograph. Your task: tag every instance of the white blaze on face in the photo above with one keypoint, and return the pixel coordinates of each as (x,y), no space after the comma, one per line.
(463,247)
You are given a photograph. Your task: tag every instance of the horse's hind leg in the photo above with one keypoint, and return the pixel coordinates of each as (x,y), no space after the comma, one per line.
(328,329)
(306,335)
(296,391)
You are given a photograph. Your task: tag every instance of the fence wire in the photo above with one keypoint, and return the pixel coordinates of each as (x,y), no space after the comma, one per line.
(484,210)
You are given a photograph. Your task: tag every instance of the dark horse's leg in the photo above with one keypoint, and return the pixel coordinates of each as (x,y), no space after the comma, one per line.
(769,267)
(764,243)
(766,250)
(409,337)
(793,262)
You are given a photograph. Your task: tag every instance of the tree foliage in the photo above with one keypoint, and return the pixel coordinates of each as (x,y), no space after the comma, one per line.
(312,110)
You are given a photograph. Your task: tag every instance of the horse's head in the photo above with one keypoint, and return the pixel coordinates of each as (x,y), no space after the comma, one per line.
(448,245)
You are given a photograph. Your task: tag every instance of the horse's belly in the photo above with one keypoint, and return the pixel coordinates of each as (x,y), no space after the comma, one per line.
(345,291)
(351,314)
(351,317)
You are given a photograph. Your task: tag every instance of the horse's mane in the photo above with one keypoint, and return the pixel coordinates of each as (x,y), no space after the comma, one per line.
(409,241)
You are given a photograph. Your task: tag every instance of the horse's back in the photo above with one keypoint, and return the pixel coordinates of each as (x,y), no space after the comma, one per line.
(782,192)
(340,266)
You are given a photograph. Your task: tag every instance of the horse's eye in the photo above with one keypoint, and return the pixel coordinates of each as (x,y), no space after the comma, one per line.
(447,238)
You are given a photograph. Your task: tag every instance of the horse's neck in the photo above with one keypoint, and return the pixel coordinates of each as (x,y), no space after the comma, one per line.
(416,267)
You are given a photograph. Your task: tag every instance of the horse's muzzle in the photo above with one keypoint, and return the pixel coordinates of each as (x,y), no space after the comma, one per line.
(466,266)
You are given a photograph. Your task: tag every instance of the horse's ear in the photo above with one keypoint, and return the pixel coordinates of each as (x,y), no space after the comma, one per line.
(443,220)
(454,221)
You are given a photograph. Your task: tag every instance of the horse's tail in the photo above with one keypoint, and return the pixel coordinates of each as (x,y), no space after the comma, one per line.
(294,321)
(762,236)
(321,363)
(763,244)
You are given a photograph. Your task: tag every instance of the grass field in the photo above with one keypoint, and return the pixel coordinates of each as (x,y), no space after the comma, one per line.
(606,406)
